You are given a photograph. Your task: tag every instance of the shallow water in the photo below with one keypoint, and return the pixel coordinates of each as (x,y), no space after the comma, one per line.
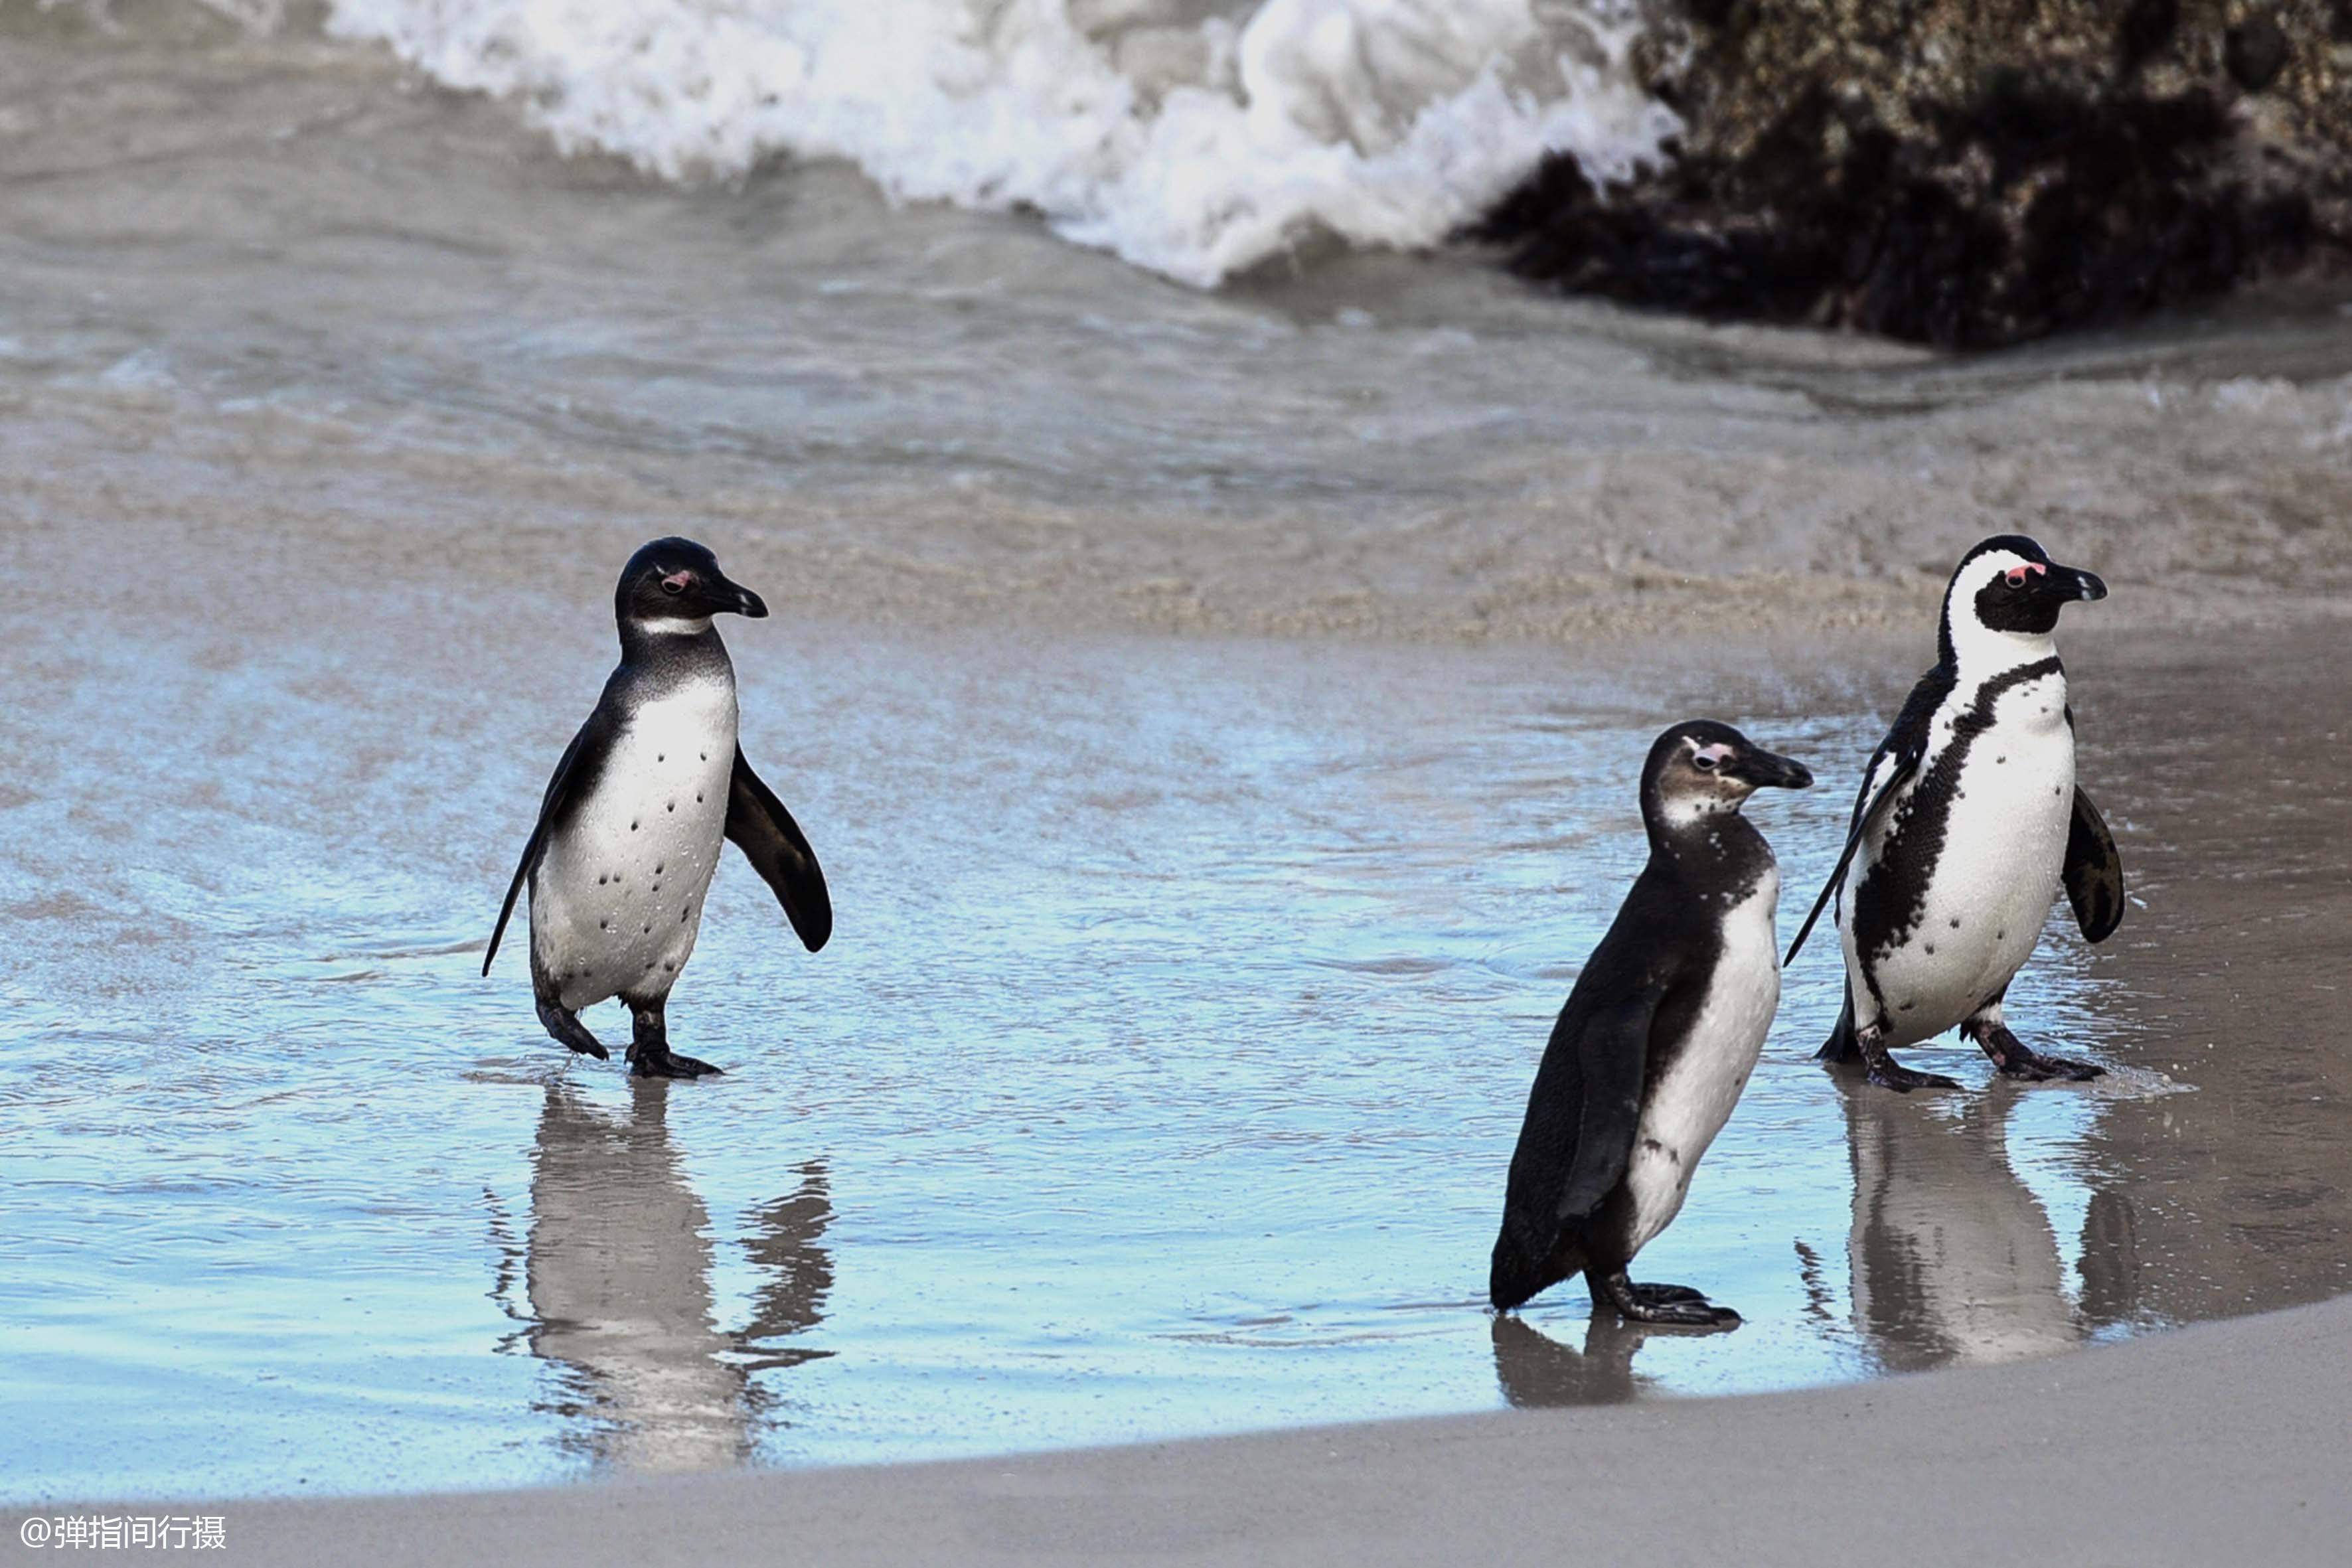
(1160,1080)
(1163,1070)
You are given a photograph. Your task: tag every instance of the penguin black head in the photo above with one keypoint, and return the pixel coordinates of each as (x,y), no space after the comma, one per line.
(675,585)
(2009,586)
(1699,769)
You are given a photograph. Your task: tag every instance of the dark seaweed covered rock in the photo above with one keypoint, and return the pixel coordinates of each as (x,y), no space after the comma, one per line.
(2255,51)
(1964,173)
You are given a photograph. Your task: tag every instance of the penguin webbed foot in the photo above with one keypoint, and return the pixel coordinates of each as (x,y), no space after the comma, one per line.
(2012,1058)
(1883,1071)
(649,1052)
(668,1063)
(566,1029)
(1892,1074)
(2044,1070)
(1673,1306)
(1665,1295)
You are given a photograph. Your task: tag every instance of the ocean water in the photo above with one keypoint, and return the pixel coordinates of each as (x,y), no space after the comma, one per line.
(1215,709)
(1198,138)
(284,253)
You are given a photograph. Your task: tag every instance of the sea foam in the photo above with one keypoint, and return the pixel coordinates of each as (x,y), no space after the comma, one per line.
(1193,137)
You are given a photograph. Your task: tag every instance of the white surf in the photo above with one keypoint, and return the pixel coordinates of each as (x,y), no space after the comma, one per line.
(1197,138)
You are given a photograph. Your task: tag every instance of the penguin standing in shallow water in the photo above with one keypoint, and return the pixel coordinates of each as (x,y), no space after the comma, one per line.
(1657,1040)
(629,829)
(1967,820)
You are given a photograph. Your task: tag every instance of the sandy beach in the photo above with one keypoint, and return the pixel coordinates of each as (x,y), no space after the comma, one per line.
(2225,1441)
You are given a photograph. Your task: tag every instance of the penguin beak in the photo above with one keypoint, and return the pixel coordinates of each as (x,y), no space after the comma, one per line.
(1769,770)
(732,596)
(2067,583)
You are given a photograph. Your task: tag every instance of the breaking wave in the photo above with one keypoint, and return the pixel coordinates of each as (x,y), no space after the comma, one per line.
(1196,138)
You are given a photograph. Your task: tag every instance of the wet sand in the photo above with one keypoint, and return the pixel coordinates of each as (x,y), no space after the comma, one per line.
(2222,1443)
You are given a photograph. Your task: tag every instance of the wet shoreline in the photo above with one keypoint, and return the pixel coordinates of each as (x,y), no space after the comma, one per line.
(328,496)
(1274,928)
(2089,1456)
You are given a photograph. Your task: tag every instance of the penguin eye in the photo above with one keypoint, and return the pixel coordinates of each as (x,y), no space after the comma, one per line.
(674,584)
(2016,577)
(1703,761)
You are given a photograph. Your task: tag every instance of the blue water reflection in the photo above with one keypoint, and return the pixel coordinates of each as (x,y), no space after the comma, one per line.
(1160,1078)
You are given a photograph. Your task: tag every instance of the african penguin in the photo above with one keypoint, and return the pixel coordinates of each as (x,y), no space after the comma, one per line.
(1967,820)
(629,829)
(1657,1040)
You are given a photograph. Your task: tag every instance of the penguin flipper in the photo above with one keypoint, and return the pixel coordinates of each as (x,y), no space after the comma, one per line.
(1864,815)
(1576,1140)
(2094,872)
(773,843)
(1615,1053)
(575,774)
(1897,759)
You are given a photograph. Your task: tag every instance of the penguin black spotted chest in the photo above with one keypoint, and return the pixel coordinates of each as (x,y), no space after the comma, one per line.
(616,900)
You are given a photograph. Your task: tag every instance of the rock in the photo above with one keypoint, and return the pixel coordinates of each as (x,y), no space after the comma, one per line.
(2146,27)
(2254,51)
(1963,172)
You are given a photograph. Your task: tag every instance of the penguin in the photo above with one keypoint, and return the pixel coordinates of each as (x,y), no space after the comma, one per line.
(629,829)
(1968,821)
(1657,1040)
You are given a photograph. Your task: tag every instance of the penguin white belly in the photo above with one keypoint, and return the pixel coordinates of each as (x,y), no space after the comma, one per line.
(1683,1111)
(1996,876)
(616,901)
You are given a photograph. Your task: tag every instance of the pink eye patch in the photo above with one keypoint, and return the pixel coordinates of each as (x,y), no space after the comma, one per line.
(2016,574)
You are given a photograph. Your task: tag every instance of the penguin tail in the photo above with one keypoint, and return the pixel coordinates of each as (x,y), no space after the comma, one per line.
(1509,1281)
(1840,1046)
(1516,1274)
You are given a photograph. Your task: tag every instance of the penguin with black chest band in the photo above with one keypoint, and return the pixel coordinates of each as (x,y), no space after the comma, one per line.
(630,827)
(1968,821)
(1657,1040)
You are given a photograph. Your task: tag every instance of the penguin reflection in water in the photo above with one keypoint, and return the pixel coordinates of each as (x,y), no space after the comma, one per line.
(1967,820)
(629,829)
(1657,1040)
